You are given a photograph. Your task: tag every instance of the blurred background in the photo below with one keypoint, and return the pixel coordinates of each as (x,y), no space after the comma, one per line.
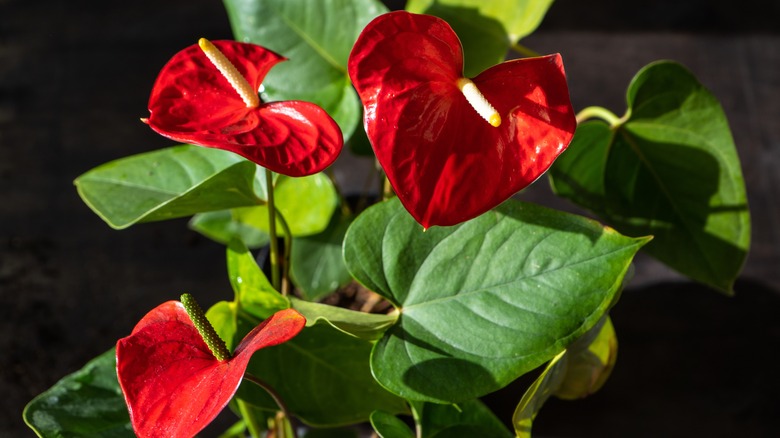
(75,77)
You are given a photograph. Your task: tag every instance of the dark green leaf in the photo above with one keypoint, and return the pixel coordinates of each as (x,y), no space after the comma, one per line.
(169,183)
(361,325)
(468,419)
(486,301)
(317,38)
(323,376)
(222,227)
(317,267)
(88,402)
(487,29)
(671,170)
(389,426)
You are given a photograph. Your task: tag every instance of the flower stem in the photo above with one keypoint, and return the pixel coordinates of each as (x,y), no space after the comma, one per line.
(255,430)
(285,260)
(269,184)
(524,51)
(274,395)
(601,113)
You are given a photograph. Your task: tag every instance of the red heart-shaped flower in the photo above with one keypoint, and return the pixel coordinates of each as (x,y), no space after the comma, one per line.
(173,384)
(446,162)
(193,102)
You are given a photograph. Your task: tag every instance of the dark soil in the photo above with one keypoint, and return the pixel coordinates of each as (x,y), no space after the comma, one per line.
(75,77)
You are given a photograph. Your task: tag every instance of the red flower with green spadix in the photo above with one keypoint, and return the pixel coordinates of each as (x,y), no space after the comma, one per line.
(207,94)
(176,373)
(455,147)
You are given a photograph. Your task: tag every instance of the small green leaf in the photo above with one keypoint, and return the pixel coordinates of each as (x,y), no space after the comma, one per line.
(306,204)
(671,170)
(88,402)
(368,326)
(543,387)
(486,301)
(589,362)
(317,38)
(317,267)
(487,29)
(468,419)
(254,293)
(389,426)
(169,183)
(222,227)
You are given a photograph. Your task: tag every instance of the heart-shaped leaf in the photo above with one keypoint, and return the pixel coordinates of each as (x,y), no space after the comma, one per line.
(86,403)
(442,138)
(486,29)
(484,302)
(173,384)
(254,293)
(316,37)
(671,170)
(169,183)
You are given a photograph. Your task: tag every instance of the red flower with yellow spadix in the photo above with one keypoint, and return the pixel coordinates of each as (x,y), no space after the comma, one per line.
(455,147)
(176,373)
(207,94)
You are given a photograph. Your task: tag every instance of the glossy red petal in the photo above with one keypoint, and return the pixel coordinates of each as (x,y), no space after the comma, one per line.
(445,162)
(172,383)
(192,102)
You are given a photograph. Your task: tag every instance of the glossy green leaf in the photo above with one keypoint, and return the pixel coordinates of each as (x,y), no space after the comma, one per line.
(368,326)
(671,170)
(169,183)
(389,426)
(543,387)
(88,402)
(220,226)
(308,370)
(254,293)
(306,204)
(316,37)
(487,29)
(486,301)
(468,419)
(316,264)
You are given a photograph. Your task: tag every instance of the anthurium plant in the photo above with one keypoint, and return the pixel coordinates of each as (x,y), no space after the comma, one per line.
(463,288)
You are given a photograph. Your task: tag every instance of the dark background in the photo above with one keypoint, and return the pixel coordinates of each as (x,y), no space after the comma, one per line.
(75,77)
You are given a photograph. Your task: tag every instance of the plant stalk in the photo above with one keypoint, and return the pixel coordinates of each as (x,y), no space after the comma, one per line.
(600,113)
(269,184)
(274,395)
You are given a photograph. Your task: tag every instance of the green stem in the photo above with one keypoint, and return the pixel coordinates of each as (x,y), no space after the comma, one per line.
(255,430)
(601,113)
(274,395)
(524,51)
(287,252)
(275,281)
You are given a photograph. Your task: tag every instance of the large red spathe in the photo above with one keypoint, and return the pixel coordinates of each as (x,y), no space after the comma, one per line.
(172,383)
(193,102)
(445,162)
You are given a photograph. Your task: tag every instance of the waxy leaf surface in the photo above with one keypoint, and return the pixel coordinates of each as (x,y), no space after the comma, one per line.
(165,184)
(316,36)
(484,302)
(193,102)
(86,403)
(446,163)
(173,384)
(317,267)
(671,170)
